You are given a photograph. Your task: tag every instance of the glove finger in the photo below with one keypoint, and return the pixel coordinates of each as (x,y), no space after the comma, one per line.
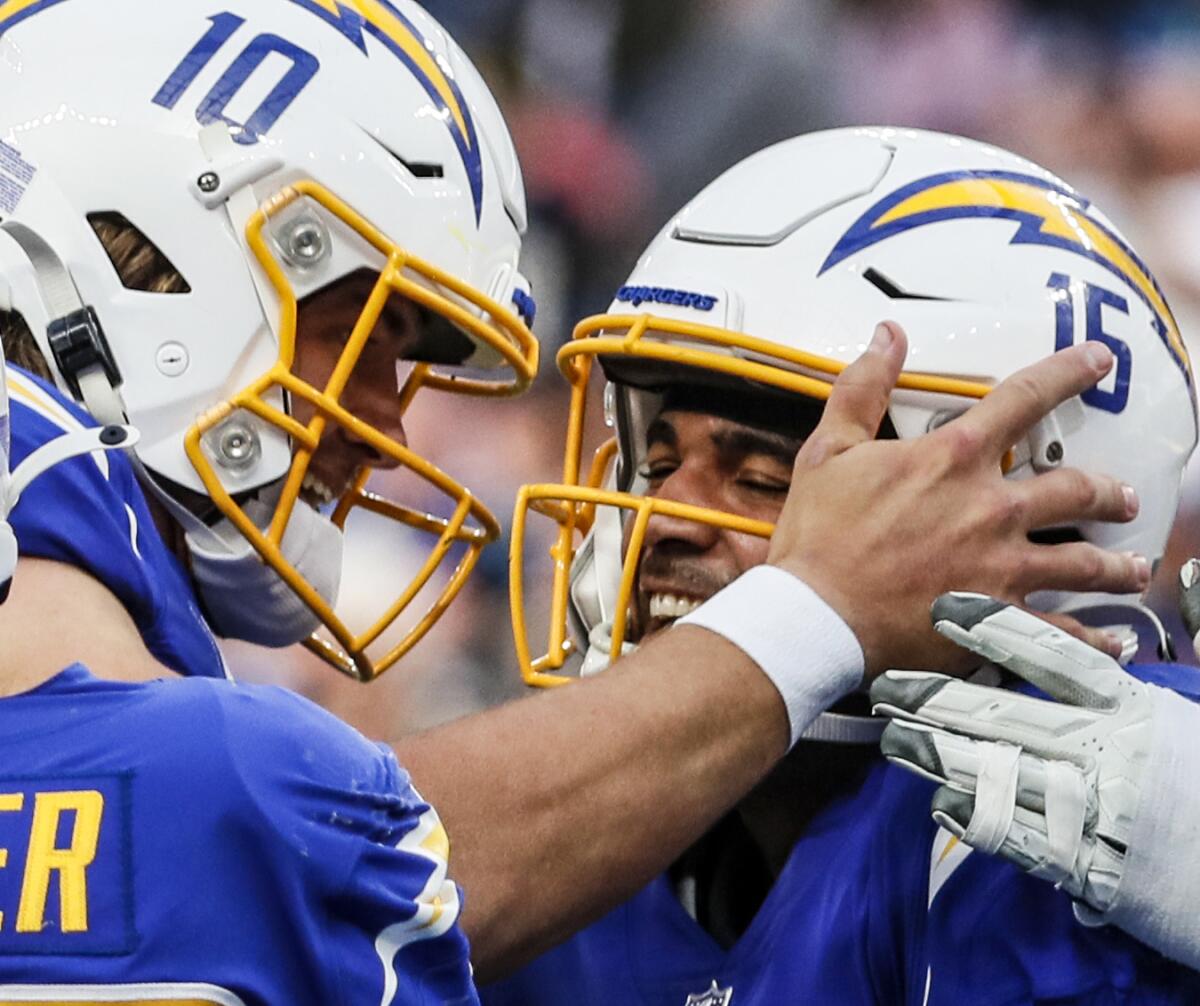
(1055,845)
(1055,662)
(1025,845)
(905,692)
(1189,596)
(1046,728)
(957,761)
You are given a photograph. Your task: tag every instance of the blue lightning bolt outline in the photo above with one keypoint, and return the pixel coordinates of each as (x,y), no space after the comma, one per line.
(863,233)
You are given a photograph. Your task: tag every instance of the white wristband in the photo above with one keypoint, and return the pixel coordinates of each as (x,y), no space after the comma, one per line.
(797,640)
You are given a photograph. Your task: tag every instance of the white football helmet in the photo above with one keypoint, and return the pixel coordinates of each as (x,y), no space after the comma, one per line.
(265,153)
(773,279)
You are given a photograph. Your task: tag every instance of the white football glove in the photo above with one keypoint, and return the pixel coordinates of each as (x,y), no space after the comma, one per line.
(1098,792)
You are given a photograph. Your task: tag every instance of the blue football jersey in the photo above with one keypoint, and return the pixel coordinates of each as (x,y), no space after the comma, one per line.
(90,513)
(198,841)
(875,905)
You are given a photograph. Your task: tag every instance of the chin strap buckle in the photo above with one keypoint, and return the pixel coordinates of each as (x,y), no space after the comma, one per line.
(79,344)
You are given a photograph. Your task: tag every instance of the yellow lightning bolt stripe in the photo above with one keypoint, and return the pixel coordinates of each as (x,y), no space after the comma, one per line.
(45,406)
(376,14)
(11,8)
(949,848)
(437,843)
(1063,217)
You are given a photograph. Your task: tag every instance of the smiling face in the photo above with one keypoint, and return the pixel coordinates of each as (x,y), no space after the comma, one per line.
(403,333)
(721,462)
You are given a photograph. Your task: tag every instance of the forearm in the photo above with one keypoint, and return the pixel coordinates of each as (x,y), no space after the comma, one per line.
(562,806)
(1158,900)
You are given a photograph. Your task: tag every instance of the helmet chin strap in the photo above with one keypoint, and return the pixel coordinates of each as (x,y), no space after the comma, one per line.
(81,358)
(62,448)
(74,343)
(841,728)
(76,348)
(227,183)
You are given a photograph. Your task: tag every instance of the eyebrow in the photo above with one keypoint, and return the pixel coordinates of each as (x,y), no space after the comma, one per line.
(662,432)
(747,440)
(743,440)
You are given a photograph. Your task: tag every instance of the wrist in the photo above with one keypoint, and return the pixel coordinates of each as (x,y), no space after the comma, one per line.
(795,638)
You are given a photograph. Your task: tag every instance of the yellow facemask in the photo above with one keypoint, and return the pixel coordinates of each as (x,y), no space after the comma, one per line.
(573,503)
(471,525)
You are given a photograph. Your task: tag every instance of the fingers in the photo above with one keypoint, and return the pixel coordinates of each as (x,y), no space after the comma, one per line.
(996,799)
(958,762)
(859,399)
(1060,665)
(978,712)
(1018,402)
(906,693)
(1081,566)
(1189,596)
(1068,495)
(1025,844)
(1099,639)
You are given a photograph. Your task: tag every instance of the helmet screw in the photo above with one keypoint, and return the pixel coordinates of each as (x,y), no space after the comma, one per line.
(210,181)
(1054,451)
(304,241)
(237,446)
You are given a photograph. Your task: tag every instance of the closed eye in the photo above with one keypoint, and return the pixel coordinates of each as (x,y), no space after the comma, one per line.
(657,473)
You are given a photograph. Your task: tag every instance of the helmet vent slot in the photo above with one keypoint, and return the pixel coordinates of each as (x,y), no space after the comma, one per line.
(418,169)
(421,169)
(139,263)
(891,289)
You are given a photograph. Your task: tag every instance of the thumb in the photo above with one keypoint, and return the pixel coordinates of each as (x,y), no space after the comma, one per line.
(859,399)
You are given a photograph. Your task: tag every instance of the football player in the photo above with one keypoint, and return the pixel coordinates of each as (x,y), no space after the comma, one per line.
(230,229)
(828,883)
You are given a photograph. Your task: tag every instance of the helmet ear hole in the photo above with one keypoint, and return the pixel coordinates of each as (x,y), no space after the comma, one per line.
(139,263)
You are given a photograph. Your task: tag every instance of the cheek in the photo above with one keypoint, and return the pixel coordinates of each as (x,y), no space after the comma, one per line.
(748,550)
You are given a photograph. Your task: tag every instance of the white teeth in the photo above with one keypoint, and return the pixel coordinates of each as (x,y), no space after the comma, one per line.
(318,488)
(670,606)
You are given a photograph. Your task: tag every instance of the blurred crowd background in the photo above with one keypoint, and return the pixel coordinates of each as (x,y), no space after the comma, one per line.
(623,109)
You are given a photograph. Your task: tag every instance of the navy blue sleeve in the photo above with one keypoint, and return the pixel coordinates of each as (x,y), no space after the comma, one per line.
(90,513)
(366,858)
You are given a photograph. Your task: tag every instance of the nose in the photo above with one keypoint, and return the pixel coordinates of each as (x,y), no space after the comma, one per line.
(373,397)
(684,485)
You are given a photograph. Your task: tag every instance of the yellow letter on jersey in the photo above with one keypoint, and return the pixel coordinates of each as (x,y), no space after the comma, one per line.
(71,863)
(11,802)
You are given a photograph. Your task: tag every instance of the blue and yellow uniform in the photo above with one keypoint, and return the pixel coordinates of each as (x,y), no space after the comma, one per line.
(875,905)
(193,840)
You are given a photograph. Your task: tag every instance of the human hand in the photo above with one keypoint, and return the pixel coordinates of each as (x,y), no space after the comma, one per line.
(1094,792)
(1051,785)
(881,528)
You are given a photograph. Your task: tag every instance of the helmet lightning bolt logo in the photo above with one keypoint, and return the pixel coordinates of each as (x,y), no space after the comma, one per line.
(1047,213)
(400,37)
(354,20)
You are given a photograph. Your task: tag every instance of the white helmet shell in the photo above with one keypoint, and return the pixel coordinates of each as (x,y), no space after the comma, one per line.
(265,152)
(776,275)
(373,101)
(986,260)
